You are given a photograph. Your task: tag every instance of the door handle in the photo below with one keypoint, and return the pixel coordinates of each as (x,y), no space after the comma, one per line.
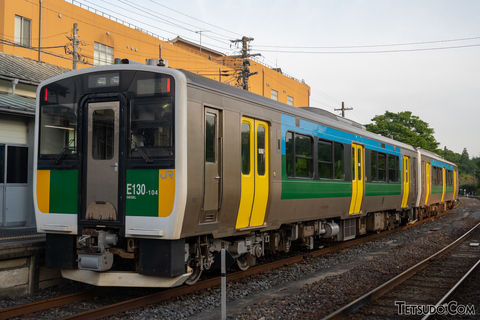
(115,166)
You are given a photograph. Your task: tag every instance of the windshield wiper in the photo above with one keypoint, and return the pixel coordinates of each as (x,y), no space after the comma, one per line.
(64,150)
(144,156)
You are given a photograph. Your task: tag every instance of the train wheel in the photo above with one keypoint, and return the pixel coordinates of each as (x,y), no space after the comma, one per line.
(194,277)
(242,262)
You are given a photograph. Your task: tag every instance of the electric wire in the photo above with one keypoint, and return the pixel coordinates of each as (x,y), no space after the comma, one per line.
(373,51)
(370,46)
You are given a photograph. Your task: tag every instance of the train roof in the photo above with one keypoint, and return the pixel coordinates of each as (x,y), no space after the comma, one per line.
(435,156)
(309,113)
(313,114)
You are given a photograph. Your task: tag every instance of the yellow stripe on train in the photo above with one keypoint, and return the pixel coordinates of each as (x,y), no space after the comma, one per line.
(43,190)
(166,192)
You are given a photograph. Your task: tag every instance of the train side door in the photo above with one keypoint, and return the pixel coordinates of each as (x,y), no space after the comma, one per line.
(254,173)
(455,190)
(406,180)
(358,165)
(102,161)
(444,182)
(213,160)
(428,181)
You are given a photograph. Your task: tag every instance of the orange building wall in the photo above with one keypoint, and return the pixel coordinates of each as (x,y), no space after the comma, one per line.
(57,24)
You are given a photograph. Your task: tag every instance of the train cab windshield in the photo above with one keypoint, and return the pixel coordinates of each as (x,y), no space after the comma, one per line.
(59,124)
(148,116)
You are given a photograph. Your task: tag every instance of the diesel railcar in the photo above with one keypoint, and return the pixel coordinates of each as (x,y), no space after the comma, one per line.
(143,173)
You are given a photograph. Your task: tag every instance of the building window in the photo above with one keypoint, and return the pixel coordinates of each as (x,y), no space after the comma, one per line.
(290,101)
(2,164)
(103,55)
(14,164)
(22,31)
(274,95)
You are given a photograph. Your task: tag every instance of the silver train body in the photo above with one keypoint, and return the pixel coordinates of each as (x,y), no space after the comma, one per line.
(144,173)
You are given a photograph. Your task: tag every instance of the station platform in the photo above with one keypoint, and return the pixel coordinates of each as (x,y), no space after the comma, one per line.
(22,262)
(17,235)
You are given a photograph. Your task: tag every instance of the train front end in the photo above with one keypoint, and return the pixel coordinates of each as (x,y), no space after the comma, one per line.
(110,173)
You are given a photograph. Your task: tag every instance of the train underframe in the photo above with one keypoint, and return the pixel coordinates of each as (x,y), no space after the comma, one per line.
(248,248)
(102,255)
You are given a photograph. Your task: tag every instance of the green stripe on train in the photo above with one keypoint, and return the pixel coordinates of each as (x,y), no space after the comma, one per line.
(437,189)
(312,189)
(64,191)
(142,193)
(375,189)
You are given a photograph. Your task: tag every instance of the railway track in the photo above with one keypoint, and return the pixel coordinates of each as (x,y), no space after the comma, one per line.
(130,304)
(422,289)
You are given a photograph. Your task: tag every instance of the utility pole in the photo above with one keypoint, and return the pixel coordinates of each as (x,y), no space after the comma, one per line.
(343,109)
(75,46)
(245,74)
(200,32)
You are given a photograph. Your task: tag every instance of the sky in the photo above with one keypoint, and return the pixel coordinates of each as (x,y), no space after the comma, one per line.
(421,56)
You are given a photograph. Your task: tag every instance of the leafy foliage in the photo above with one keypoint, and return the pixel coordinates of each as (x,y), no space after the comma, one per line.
(406,128)
(409,129)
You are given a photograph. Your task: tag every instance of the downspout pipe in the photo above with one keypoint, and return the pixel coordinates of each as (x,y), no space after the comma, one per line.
(14,84)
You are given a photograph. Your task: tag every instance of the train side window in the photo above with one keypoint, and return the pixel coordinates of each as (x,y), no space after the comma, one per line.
(289,154)
(325,160)
(392,168)
(299,155)
(245,148)
(338,154)
(359,163)
(330,160)
(303,156)
(449,177)
(437,176)
(261,151)
(374,165)
(382,167)
(210,137)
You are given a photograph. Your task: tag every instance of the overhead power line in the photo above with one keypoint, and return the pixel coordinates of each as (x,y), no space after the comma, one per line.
(370,45)
(373,51)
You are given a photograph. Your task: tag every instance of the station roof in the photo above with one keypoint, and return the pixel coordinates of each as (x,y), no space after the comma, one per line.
(12,103)
(27,70)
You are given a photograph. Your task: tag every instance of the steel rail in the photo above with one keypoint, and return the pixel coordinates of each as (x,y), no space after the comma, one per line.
(120,307)
(183,290)
(42,305)
(355,305)
(454,288)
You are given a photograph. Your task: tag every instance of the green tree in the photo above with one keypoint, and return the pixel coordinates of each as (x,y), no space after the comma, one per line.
(406,128)
(449,155)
